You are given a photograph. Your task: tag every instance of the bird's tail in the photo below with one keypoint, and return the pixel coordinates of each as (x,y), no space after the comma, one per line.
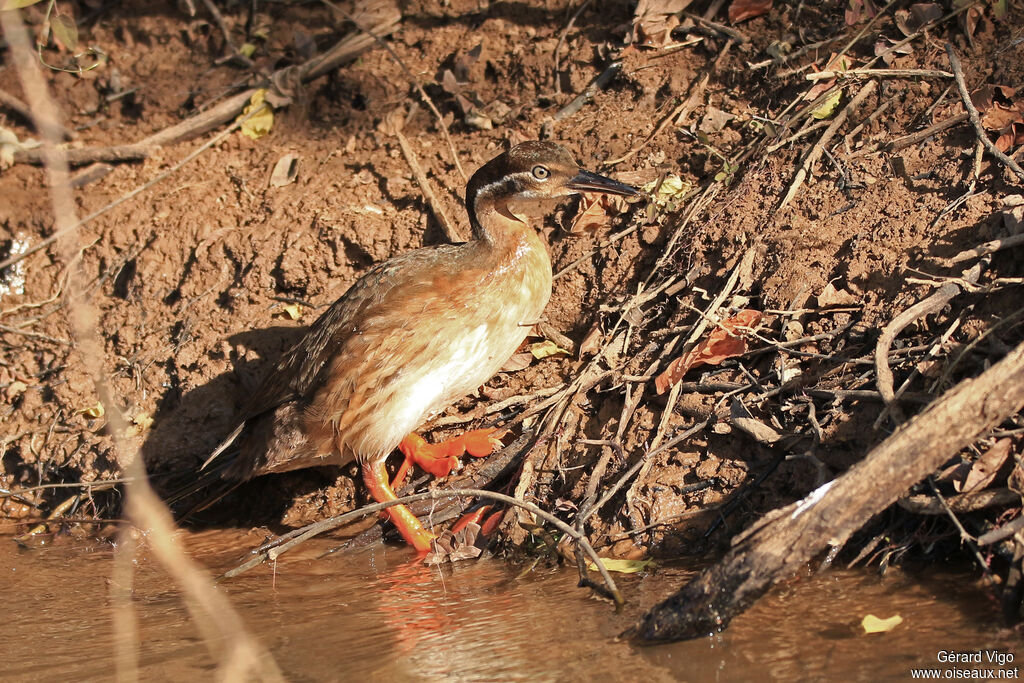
(202,489)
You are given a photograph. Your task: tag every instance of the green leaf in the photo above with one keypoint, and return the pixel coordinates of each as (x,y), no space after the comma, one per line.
(260,123)
(65,30)
(247,49)
(828,107)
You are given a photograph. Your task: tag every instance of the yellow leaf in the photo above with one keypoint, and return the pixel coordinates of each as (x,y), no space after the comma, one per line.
(546,348)
(293,311)
(873,624)
(15,4)
(247,49)
(828,107)
(623,566)
(260,123)
(94,411)
(671,191)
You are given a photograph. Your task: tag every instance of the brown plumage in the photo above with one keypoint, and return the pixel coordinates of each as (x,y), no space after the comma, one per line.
(412,335)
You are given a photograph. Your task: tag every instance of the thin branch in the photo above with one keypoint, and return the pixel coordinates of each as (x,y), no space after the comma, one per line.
(272,553)
(972,112)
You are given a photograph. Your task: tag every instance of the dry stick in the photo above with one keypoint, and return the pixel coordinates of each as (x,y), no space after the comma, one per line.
(326,525)
(782,543)
(965,537)
(972,112)
(436,207)
(599,83)
(412,79)
(1003,532)
(815,153)
(914,138)
(883,373)
(988,248)
(878,73)
(962,502)
(143,506)
(729,32)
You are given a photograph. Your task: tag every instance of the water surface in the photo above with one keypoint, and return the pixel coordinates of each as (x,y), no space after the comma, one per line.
(377,615)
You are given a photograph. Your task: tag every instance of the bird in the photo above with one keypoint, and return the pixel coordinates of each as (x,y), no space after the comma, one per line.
(410,337)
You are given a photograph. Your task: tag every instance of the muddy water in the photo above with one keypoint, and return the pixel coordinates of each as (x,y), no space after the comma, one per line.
(375,615)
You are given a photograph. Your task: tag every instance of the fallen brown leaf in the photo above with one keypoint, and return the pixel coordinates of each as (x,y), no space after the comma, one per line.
(724,342)
(741,10)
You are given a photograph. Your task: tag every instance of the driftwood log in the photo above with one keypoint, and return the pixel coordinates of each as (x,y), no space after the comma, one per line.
(783,541)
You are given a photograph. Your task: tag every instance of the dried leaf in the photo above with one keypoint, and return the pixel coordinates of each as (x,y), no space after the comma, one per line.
(910,21)
(830,296)
(546,348)
(873,624)
(286,170)
(985,469)
(15,389)
(741,10)
(741,418)
(591,343)
(654,21)
(517,362)
(722,343)
(623,566)
(858,10)
(261,122)
(596,211)
(65,31)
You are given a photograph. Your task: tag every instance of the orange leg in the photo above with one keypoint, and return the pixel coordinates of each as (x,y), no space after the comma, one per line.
(440,458)
(375,475)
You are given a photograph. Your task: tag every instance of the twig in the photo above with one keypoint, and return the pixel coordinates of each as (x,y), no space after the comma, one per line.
(1005,531)
(727,31)
(317,528)
(934,129)
(972,112)
(965,537)
(930,305)
(815,153)
(34,335)
(436,207)
(599,83)
(878,73)
(988,248)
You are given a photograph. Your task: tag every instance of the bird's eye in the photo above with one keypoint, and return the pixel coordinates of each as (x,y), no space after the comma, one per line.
(540,172)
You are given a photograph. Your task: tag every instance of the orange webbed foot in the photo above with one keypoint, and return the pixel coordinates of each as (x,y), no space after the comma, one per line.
(440,459)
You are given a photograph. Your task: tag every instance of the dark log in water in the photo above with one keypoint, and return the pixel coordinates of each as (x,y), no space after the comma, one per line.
(782,542)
